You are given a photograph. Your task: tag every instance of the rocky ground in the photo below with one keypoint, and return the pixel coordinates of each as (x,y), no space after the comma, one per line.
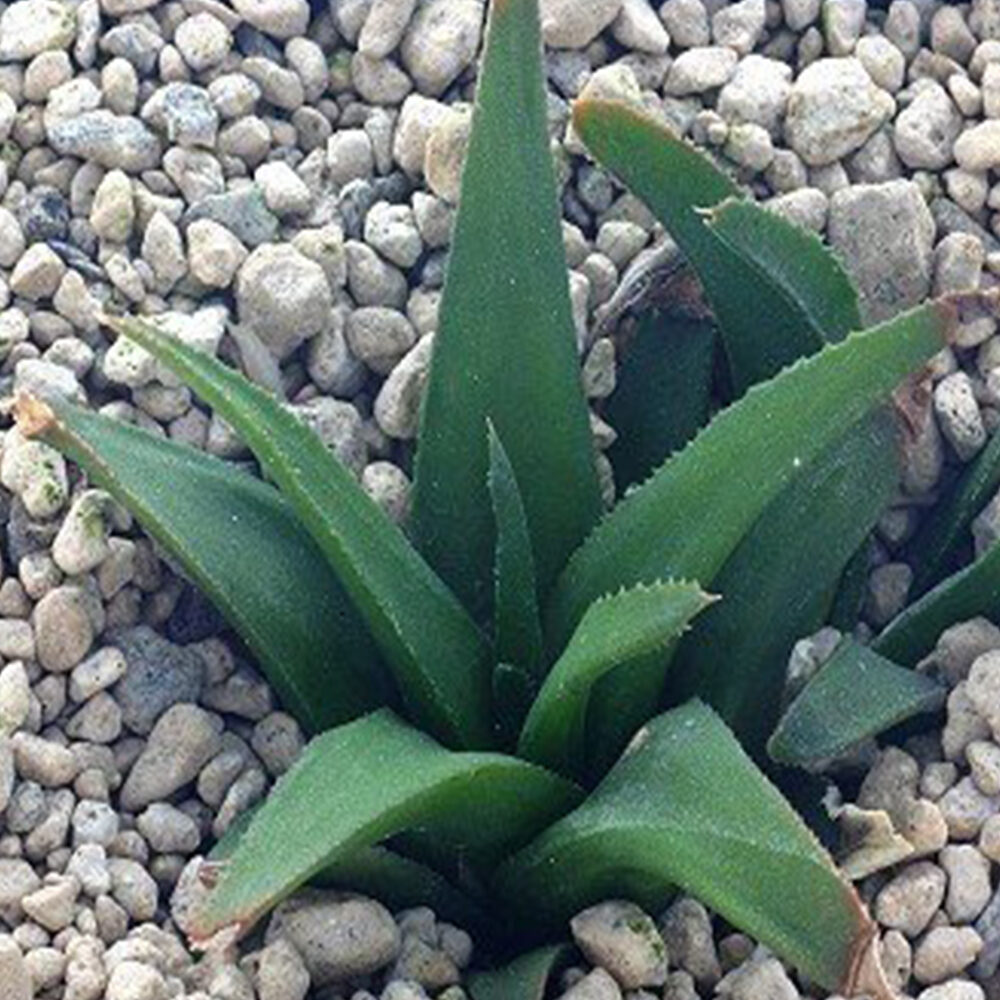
(278,181)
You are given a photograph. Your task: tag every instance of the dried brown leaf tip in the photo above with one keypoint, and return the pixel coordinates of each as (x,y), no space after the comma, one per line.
(866,977)
(209,873)
(34,417)
(913,400)
(222,942)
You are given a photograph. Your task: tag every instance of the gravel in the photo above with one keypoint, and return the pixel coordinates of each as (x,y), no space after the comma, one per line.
(277,182)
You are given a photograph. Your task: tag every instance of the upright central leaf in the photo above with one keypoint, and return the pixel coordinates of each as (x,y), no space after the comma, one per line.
(505,349)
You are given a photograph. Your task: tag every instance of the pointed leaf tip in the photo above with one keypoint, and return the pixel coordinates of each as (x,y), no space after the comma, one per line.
(867,977)
(358,784)
(675,179)
(853,697)
(33,416)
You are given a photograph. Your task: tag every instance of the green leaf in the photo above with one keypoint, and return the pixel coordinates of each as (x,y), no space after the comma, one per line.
(795,259)
(856,695)
(614,630)
(663,393)
(526,978)
(514,690)
(935,546)
(762,328)
(845,612)
(971,592)
(440,660)
(240,542)
(709,496)
(389,876)
(518,638)
(505,348)
(778,584)
(356,785)
(685,806)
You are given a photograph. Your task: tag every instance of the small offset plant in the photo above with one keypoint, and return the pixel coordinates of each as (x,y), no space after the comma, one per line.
(521,706)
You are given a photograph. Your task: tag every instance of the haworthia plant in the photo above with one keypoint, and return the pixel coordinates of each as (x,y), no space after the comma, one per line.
(511,622)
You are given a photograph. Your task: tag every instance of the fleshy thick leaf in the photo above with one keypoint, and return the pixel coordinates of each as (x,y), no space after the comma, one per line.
(615,630)
(440,660)
(663,393)
(973,591)
(240,542)
(514,690)
(762,328)
(526,978)
(795,260)
(935,546)
(779,583)
(505,348)
(518,638)
(856,695)
(686,807)
(689,517)
(356,785)
(387,875)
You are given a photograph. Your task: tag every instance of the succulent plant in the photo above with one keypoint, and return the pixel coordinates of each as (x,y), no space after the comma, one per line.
(523,704)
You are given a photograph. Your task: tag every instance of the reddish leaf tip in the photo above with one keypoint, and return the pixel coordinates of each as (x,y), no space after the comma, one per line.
(33,416)
(865,975)
(585,109)
(221,942)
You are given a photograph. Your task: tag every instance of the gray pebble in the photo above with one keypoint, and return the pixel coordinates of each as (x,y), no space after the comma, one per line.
(159,674)
(113,141)
(283,296)
(337,937)
(183,740)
